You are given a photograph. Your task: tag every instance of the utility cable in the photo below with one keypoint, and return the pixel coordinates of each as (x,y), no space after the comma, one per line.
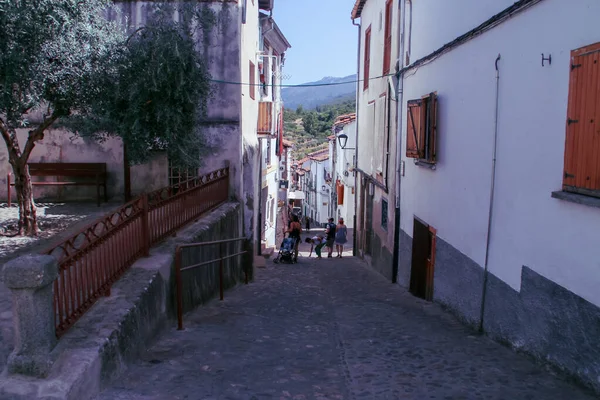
(301,85)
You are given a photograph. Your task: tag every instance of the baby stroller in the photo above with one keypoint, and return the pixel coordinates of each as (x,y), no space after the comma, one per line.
(286,251)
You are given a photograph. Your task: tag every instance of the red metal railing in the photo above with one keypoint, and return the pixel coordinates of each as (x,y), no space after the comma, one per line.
(179,268)
(92,260)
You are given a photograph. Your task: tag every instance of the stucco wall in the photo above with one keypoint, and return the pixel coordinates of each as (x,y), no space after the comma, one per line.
(250,152)
(63,146)
(529,227)
(372,122)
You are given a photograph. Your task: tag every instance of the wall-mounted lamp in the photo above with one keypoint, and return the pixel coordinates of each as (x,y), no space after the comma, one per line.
(343,140)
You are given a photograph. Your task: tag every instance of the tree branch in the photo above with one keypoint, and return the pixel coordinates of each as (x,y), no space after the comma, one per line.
(35,135)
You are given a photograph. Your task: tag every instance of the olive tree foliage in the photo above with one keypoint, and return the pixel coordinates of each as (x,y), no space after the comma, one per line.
(49,52)
(158,93)
(63,63)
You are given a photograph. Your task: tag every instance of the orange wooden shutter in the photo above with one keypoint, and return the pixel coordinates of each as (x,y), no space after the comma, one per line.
(340,193)
(387,47)
(367,57)
(413,128)
(582,143)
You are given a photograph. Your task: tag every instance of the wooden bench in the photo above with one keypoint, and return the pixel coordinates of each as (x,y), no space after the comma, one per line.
(88,174)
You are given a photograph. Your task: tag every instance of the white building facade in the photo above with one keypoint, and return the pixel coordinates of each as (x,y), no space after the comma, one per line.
(266,87)
(343,150)
(500,170)
(376,196)
(316,186)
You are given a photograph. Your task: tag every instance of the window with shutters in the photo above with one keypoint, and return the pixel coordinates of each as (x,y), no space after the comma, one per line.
(252,80)
(582,142)
(387,47)
(367,60)
(421,128)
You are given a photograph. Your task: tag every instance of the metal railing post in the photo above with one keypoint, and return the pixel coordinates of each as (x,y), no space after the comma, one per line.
(221,270)
(179,291)
(8,189)
(146,237)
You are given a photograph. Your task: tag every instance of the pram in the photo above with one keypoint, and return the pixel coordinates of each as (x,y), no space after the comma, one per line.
(287,251)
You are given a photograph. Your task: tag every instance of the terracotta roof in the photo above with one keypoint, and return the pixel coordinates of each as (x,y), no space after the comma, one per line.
(345,119)
(357,9)
(287,143)
(320,155)
(341,121)
(303,160)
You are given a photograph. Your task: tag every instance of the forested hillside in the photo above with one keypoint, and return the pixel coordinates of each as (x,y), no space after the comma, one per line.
(308,129)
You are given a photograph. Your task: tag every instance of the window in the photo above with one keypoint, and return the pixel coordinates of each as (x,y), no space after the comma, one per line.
(582,148)
(384,214)
(367,60)
(421,128)
(387,47)
(252,80)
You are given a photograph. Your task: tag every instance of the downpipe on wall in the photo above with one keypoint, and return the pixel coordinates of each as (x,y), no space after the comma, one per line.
(491,209)
(355,233)
(399,99)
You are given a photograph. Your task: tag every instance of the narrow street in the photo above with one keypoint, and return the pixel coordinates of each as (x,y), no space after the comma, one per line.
(330,329)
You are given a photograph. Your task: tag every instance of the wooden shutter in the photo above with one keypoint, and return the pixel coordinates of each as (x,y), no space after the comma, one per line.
(429,127)
(367,59)
(387,47)
(340,193)
(413,128)
(582,142)
(252,80)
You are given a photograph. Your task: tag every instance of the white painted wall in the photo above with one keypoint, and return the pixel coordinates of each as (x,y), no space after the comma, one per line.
(557,239)
(428,34)
(344,164)
(372,121)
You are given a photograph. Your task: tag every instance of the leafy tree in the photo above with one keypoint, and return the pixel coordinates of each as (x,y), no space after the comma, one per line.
(157,95)
(300,109)
(309,122)
(61,58)
(49,52)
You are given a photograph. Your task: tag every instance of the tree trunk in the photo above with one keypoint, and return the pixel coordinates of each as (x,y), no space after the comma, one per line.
(27,210)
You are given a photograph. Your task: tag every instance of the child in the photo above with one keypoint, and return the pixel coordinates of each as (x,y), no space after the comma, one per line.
(319,242)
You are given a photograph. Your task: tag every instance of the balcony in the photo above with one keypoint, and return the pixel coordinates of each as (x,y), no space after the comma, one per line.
(265,118)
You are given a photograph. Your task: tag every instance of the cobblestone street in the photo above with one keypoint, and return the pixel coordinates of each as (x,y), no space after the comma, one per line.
(330,329)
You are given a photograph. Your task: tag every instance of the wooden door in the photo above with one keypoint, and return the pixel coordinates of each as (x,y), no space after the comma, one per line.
(423,260)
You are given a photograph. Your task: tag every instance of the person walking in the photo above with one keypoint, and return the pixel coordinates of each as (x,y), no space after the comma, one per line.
(295,230)
(341,237)
(307,221)
(330,231)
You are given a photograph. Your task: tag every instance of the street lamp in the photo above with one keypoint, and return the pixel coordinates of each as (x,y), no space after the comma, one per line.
(343,139)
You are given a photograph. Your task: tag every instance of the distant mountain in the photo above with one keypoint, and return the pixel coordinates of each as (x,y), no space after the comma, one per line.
(310,97)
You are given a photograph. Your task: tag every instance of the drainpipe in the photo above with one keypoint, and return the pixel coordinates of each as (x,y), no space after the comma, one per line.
(399,99)
(491,209)
(259,225)
(354,242)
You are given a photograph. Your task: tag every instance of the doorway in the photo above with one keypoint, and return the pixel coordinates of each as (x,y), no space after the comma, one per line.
(423,260)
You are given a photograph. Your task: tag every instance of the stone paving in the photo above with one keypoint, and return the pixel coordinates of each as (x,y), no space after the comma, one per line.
(330,329)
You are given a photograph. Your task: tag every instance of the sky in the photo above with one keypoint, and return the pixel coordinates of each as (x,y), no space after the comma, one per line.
(323,39)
